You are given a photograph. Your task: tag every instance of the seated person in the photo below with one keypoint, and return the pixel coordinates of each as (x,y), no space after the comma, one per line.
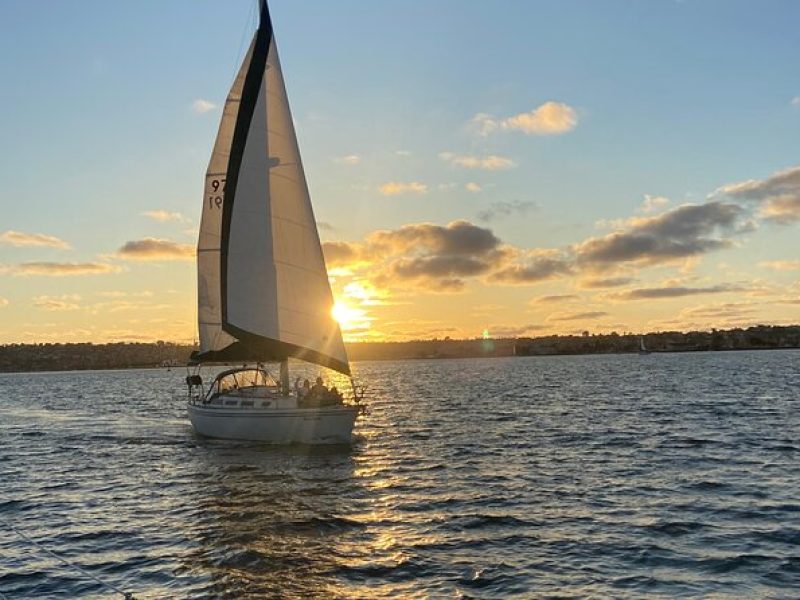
(319,390)
(334,396)
(304,396)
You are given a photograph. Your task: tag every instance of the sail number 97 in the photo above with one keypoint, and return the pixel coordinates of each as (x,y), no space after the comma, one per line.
(215,199)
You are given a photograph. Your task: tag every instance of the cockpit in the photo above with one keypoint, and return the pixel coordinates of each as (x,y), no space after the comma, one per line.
(244,382)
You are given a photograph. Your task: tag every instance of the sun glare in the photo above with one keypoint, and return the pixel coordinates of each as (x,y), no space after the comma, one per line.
(348,317)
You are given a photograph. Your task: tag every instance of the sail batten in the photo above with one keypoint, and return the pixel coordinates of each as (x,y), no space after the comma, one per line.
(263,289)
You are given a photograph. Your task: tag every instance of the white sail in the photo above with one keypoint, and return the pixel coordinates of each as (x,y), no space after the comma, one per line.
(209,300)
(263,289)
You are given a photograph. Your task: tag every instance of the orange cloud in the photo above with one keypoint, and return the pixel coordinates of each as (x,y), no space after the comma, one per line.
(550,118)
(57,303)
(64,269)
(492,162)
(397,188)
(20,239)
(163,216)
(154,249)
(781,265)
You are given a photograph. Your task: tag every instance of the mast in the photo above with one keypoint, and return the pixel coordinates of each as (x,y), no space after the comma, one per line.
(284,377)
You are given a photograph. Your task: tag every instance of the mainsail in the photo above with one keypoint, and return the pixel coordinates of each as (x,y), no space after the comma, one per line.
(263,290)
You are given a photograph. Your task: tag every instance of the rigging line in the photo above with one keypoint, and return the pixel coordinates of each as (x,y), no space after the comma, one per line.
(124,594)
(249,26)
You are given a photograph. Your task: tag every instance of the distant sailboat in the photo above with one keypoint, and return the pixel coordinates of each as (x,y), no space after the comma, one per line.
(263,290)
(642,348)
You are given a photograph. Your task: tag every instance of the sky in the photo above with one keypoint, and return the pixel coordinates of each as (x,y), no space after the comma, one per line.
(516,167)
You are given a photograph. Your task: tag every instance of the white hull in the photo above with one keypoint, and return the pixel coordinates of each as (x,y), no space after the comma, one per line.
(325,425)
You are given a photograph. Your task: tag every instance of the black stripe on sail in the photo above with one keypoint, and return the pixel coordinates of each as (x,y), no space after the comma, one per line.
(250,90)
(264,19)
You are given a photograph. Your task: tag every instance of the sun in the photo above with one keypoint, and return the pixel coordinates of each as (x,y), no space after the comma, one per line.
(349,318)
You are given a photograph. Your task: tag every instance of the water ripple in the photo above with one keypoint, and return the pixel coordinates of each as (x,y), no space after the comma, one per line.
(551,477)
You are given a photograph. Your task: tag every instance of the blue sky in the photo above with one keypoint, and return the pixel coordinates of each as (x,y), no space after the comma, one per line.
(672,100)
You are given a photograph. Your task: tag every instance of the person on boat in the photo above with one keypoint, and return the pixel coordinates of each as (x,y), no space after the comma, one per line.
(304,398)
(319,390)
(335,396)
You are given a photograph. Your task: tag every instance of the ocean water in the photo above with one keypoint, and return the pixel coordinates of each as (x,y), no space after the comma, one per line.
(668,475)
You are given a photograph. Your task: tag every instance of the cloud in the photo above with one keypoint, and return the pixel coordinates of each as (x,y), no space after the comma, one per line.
(350,160)
(20,239)
(778,195)
(57,303)
(325,226)
(120,294)
(473,187)
(532,266)
(607,282)
(439,266)
(341,253)
(781,265)
(505,209)
(509,331)
(456,238)
(437,274)
(483,309)
(396,188)
(443,258)
(64,269)
(432,257)
(117,306)
(795,101)
(727,309)
(201,106)
(156,249)
(577,316)
(550,118)
(3,302)
(782,182)
(163,216)
(783,210)
(685,231)
(674,292)
(652,204)
(554,299)
(425,282)
(423,255)
(491,162)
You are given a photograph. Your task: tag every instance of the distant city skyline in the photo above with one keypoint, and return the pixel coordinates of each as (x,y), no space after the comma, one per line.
(515,168)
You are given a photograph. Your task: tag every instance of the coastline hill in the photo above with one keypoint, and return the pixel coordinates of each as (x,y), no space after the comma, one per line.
(126,355)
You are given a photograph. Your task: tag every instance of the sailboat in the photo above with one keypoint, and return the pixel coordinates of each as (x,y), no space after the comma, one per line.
(642,348)
(262,287)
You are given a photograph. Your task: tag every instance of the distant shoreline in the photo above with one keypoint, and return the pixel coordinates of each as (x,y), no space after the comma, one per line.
(32,358)
(151,367)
